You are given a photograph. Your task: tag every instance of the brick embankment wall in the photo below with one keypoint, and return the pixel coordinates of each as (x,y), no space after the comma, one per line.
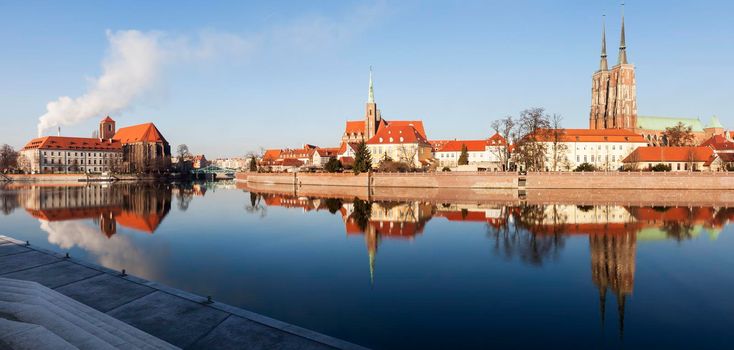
(270,178)
(631,180)
(47,177)
(321,179)
(446,180)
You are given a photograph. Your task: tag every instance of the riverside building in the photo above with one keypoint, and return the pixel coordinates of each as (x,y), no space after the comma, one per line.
(138,148)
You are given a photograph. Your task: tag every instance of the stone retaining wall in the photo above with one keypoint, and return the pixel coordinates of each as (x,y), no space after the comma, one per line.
(501,180)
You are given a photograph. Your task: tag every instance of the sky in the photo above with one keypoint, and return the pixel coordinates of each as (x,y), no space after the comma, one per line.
(227,78)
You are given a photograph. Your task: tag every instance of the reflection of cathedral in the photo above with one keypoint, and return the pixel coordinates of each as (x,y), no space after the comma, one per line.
(613,268)
(141,208)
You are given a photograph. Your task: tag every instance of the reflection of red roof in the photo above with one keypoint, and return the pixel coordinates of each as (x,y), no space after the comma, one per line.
(670,154)
(139,133)
(72,143)
(146,223)
(63,214)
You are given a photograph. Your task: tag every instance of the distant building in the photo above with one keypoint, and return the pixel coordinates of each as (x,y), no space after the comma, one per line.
(61,154)
(144,148)
(364,130)
(200,161)
(604,148)
(402,143)
(321,156)
(614,92)
(483,154)
(614,103)
(678,158)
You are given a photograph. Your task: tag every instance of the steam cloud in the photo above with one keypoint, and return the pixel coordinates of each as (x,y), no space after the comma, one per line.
(131,67)
(135,60)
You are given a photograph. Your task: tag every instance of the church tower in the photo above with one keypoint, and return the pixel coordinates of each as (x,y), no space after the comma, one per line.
(106,128)
(372,114)
(614,92)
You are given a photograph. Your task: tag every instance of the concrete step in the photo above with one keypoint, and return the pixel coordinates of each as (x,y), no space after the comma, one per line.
(76,323)
(26,336)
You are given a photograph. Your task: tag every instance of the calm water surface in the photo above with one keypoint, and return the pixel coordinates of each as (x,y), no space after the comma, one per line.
(410,274)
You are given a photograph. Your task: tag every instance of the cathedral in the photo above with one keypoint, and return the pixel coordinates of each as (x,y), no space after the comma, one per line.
(364,130)
(613,91)
(614,102)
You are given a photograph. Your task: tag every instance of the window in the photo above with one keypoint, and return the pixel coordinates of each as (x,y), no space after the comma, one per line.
(578,159)
(592,158)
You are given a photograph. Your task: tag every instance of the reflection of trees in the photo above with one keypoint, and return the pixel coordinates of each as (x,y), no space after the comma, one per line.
(362,213)
(8,201)
(185,195)
(333,204)
(255,205)
(678,230)
(527,239)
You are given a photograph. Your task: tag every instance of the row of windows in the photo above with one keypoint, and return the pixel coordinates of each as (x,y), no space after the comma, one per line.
(458,154)
(598,147)
(597,159)
(81,161)
(89,154)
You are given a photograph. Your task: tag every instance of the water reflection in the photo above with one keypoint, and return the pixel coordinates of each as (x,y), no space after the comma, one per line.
(531,233)
(141,227)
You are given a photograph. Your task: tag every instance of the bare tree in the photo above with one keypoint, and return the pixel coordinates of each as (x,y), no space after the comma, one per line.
(560,149)
(505,127)
(679,135)
(407,155)
(8,158)
(531,148)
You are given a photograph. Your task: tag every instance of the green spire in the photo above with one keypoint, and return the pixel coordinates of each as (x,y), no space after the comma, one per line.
(371,97)
(714,123)
(622,44)
(603,65)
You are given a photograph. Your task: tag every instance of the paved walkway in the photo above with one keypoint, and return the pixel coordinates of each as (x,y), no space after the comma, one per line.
(180,318)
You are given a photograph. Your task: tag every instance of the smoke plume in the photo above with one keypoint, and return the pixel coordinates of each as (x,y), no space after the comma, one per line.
(131,67)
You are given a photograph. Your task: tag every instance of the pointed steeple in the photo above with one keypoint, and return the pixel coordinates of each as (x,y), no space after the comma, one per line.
(603,65)
(371,97)
(622,45)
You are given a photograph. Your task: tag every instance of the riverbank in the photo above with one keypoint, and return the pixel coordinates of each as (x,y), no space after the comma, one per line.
(504,180)
(55,178)
(180,318)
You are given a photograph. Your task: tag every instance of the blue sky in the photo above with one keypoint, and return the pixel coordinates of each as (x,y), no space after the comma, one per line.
(301,67)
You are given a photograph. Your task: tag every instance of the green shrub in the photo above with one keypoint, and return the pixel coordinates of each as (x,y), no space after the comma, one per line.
(585,167)
(660,167)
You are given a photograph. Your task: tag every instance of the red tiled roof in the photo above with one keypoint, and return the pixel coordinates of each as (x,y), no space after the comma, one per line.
(72,143)
(719,143)
(497,139)
(271,154)
(327,152)
(670,154)
(417,124)
(594,135)
(392,134)
(347,161)
(354,127)
(139,133)
(108,119)
(343,147)
(471,146)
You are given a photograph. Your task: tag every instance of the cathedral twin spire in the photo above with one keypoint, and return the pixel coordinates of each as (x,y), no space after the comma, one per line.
(371,97)
(603,65)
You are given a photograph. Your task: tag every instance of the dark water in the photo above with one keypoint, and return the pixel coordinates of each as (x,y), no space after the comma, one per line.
(410,274)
